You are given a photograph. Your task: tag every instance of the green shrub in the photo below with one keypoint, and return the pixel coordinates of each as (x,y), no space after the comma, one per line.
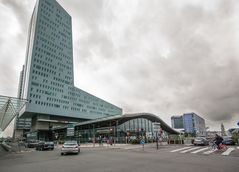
(135,141)
(235,137)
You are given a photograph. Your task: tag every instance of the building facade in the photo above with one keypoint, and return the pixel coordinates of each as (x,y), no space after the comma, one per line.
(194,124)
(191,123)
(177,122)
(125,128)
(22,125)
(48,78)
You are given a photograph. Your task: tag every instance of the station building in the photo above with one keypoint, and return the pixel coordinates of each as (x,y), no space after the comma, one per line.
(120,128)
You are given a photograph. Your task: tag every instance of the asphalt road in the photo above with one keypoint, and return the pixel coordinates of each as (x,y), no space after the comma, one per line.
(118,160)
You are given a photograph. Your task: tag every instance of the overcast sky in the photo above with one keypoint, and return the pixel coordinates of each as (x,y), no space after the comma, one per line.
(165,57)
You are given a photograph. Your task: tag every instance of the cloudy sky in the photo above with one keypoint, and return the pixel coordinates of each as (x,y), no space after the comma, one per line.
(165,57)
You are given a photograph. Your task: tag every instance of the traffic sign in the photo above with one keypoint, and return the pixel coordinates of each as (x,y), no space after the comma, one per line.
(156,126)
(142,141)
(70,131)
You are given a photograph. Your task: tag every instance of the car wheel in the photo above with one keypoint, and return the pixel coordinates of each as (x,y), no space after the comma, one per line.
(62,153)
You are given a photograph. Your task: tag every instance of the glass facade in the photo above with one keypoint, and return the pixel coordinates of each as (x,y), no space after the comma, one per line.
(48,79)
(134,128)
(194,124)
(177,122)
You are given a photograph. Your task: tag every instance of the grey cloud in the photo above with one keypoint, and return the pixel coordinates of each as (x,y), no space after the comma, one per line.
(20,10)
(198,74)
(198,70)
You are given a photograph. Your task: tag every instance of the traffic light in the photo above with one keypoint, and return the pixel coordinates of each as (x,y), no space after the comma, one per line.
(110,129)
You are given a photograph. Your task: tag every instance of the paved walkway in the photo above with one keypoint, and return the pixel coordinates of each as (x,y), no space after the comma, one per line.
(114,146)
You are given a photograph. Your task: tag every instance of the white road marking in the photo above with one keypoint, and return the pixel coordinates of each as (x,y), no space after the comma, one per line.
(188,150)
(200,150)
(211,151)
(180,149)
(228,151)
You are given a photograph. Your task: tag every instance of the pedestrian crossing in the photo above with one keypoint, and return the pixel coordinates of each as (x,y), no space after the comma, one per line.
(203,150)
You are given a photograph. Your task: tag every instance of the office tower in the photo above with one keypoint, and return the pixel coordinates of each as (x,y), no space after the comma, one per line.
(48,81)
(194,124)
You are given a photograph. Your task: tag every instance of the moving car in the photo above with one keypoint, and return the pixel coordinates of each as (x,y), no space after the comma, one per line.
(70,147)
(42,145)
(228,141)
(200,141)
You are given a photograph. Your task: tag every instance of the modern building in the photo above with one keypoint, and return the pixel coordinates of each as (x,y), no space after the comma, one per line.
(48,79)
(177,122)
(194,124)
(121,128)
(190,122)
(22,125)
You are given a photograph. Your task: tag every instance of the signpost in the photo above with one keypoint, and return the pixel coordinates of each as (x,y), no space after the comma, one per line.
(142,143)
(70,131)
(156,129)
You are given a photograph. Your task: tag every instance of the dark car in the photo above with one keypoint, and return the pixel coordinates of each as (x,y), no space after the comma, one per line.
(228,141)
(42,145)
(32,143)
(200,141)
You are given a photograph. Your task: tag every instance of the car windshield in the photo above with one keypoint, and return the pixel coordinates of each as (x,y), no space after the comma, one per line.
(70,143)
(200,138)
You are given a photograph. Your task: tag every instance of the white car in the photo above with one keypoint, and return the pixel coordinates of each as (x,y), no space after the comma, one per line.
(70,147)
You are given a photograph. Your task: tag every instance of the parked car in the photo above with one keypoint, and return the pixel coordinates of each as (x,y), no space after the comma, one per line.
(228,141)
(200,141)
(70,147)
(31,143)
(42,145)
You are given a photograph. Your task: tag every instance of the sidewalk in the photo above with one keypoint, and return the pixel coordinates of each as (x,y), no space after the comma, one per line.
(115,146)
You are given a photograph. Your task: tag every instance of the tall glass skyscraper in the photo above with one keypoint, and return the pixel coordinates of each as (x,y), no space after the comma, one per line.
(48,79)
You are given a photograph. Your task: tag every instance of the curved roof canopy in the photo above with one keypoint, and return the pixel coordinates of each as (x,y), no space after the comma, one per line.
(112,120)
(9,108)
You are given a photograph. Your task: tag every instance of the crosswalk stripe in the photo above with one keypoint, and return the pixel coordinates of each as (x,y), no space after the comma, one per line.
(211,151)
(180,149)
(228,151)
(188,150)
(200,150)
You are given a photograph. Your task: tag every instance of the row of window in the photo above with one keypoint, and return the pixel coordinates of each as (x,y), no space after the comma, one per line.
(46,104)
(45,52)
(49,43)
(46,87)
(57,100)
(35,96)
(42,69)
(61,80)
(57,84)
(48,6)
(40,73)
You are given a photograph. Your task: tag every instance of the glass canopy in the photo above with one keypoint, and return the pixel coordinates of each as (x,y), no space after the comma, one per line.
(9,108)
